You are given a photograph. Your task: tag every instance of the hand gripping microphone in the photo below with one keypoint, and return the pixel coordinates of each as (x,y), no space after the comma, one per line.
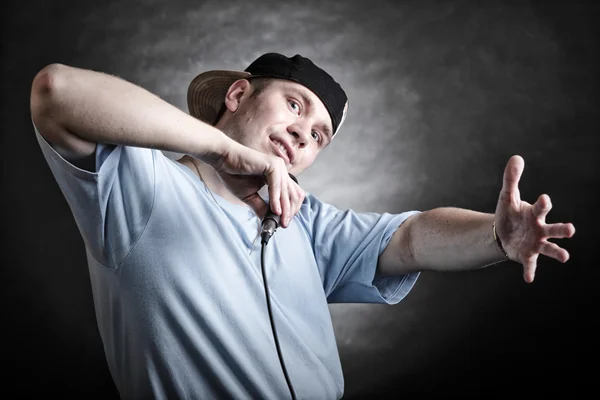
(271,222)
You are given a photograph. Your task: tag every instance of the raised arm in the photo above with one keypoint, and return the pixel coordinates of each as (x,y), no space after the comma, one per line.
(76,108)
(452,239)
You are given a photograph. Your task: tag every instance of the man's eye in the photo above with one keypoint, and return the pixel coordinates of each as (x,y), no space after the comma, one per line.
(316,136)
(295,106)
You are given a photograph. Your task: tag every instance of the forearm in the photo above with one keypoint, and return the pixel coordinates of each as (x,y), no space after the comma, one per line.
(442,239)
(99,108)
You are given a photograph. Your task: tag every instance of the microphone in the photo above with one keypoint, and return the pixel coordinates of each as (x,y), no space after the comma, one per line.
(271,222)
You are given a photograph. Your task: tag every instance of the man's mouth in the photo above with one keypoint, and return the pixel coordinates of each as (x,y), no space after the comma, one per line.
(282,150)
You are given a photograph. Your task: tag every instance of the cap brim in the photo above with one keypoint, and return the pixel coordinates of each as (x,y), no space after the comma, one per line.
(206,93)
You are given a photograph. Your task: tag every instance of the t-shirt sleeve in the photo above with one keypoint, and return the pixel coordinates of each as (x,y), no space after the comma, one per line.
(112,204)
(347,246)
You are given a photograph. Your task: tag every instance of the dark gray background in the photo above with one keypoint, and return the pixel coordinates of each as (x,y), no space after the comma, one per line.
(441,95)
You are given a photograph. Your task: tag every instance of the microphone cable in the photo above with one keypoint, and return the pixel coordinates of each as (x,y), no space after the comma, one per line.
(285,373)
(265,236)
(270,225)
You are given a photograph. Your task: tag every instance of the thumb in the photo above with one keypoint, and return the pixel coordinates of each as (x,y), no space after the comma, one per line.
(512,175)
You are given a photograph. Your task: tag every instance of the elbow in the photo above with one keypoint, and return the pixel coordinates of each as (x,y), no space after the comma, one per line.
(44,88)
(46,80)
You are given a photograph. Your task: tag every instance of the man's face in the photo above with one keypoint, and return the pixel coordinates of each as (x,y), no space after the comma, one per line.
(284,119)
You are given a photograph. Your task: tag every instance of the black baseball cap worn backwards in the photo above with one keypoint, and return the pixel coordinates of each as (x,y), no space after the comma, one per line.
(206,92)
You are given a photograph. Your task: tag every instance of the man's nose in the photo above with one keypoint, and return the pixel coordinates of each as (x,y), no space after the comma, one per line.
(300,133)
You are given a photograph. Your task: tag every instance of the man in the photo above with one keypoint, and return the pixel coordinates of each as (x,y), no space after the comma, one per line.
(182,288)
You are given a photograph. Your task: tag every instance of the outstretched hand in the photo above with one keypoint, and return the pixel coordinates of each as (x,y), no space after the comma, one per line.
(522,227)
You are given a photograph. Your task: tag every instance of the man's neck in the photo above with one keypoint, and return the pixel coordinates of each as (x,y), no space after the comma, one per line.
(211,179)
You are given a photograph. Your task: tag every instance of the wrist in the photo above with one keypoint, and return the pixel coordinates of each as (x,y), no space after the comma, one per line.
(216,150)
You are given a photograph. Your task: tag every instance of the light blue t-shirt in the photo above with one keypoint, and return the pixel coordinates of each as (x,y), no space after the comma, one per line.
(177,284)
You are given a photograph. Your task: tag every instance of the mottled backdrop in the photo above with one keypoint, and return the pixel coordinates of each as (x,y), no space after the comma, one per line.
(441,95)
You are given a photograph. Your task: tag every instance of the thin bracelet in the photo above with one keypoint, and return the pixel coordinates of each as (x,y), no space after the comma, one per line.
(498,241)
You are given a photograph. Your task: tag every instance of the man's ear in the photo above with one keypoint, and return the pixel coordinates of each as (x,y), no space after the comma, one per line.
(235,93)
